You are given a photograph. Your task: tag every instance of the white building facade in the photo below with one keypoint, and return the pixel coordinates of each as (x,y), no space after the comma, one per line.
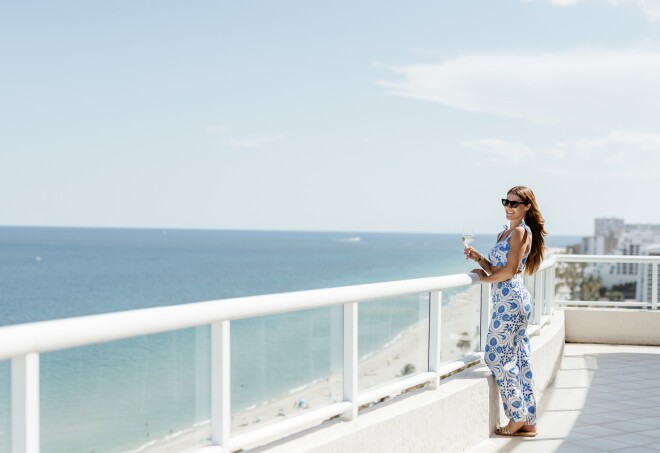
(644,288)
(613,237)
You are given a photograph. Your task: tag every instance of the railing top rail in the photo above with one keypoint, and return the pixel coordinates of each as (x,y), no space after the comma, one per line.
(607,259)
(86,330)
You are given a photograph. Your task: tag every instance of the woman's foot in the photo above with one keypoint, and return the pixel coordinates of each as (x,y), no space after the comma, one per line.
(517,429)
(528,428)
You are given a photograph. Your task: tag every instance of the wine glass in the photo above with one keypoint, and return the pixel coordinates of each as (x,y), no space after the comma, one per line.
(467,237)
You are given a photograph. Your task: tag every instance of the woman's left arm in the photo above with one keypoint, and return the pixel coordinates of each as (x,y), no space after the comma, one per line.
(517,244)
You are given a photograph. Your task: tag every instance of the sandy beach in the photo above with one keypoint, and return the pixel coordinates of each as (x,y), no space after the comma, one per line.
(460,335)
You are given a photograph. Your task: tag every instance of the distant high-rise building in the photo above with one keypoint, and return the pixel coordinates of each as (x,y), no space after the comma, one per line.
(605,225)
(611,229)
(593,245)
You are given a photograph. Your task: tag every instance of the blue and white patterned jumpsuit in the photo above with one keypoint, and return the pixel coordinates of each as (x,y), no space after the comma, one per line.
(507,352)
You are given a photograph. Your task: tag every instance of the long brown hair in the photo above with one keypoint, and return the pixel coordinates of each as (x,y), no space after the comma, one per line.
(534,220)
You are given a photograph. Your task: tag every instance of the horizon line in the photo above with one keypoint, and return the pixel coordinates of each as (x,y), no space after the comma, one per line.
(270,230)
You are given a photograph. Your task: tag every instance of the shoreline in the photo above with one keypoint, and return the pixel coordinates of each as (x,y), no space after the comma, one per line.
(459,318)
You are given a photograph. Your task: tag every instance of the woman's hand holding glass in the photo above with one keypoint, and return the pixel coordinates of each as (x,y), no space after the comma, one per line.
(471,254)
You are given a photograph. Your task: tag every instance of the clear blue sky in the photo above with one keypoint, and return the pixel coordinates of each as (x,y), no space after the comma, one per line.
(342,115)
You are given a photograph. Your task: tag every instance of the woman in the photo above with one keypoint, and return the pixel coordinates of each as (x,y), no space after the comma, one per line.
(519,248)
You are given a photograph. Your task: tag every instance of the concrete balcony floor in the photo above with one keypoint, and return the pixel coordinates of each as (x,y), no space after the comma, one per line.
(604,398)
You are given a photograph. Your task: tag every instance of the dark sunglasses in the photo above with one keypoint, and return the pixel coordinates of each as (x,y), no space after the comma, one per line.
(513,204)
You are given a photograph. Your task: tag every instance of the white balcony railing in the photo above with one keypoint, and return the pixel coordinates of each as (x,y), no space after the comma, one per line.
(652,261)
(23,344)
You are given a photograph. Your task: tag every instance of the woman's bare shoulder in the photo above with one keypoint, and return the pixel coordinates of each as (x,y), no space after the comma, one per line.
(518,234)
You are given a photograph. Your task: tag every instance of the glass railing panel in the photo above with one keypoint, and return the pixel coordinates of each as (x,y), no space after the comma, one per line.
(530,284)
(530,281)
(461,320)
(285,364)
(5,405)
(150,392)
(392,339)
(604,282)
(568,280)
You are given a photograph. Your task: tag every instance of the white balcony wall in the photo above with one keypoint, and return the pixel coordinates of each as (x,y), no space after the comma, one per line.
(612,326)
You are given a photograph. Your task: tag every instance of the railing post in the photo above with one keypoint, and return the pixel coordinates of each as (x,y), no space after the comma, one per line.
(654,286)
(221,384)
(25,418)
(485,314)
(540,276)
(351,358)
(544,290)
(538,298)
(435,335)
(553,288)
(549,290)
(546,296)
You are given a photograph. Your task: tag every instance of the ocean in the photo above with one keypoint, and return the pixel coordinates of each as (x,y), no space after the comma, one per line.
(119,396)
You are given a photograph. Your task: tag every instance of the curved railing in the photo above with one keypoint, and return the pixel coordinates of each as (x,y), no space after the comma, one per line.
(23,344)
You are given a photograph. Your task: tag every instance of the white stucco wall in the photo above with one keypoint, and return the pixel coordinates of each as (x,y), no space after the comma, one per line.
(460,414)
(613,326)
